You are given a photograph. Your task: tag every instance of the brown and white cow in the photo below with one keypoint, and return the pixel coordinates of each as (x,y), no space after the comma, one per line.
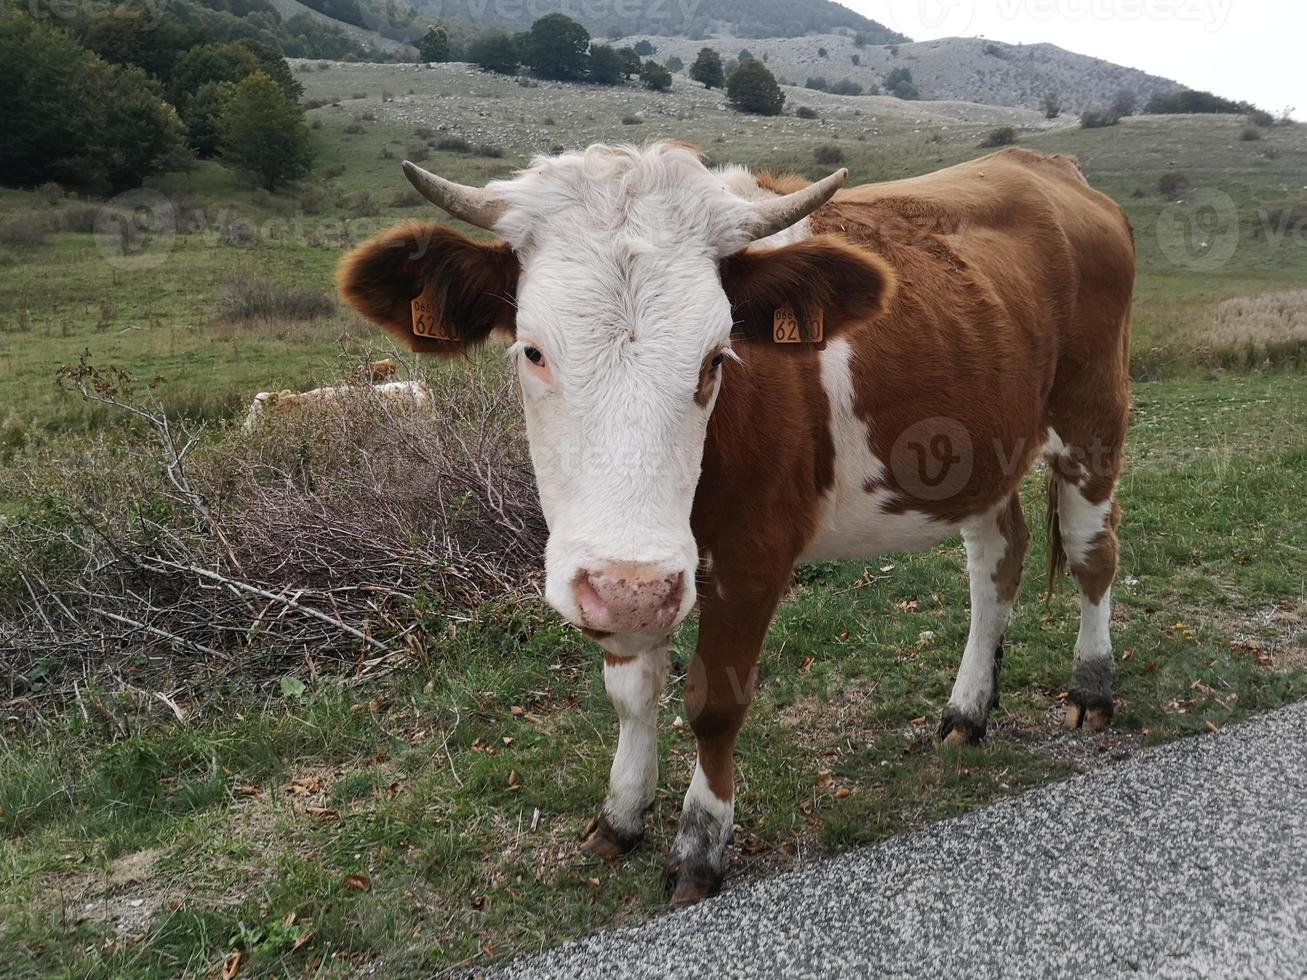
(971,321)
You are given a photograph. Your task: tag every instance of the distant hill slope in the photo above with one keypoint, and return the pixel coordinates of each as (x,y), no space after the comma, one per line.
(741,18)
(962,69)
(362,35)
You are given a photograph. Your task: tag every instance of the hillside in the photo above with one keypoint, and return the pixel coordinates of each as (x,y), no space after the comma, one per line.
(961,69)
(360,35)
(739,18)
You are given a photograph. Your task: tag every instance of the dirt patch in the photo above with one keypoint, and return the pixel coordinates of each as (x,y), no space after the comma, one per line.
(124,899)
(1276,635)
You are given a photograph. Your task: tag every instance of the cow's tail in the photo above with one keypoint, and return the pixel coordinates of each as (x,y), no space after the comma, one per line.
(1056,552)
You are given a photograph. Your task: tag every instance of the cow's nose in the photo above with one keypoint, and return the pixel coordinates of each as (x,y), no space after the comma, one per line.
(626,597)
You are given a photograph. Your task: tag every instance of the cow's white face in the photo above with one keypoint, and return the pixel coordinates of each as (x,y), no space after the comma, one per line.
(622,331)
(611,274)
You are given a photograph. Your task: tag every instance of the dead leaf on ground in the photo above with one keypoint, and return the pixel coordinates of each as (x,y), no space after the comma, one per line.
(232,965)
(358,883)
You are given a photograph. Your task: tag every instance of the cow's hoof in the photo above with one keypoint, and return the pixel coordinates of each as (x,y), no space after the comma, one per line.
(603,840)
(1094,717)
(689,885)
(955,728)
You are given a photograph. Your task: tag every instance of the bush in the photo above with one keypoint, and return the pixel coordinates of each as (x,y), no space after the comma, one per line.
(1098,118)
(899,84)
(846,87)
(655,77)
(434,45)
(632,121)
(1194,103)
(453,144)
(855,59)
(1003,136)
(253,298)
(489,150)
(806,112)
(495,51)
(23,232)
(674,64)
(644,49)
(1250,134)
(51,192)
(817,84)
(1125,103)
(753,89)
(821,53)
(707,69)
(260,130)
(1051,103)
(828,155)
(407,199)
(1259,117)
(1172,185)
(606,65)
(417,152)
(355,129)
(424,132)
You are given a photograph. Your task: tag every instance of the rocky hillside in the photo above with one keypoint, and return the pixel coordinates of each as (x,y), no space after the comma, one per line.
(962,69)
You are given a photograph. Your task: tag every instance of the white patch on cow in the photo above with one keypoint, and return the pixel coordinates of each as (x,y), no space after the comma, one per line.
(986,548)
(853,522)
(1082,522)
(1094,641)
(635,686)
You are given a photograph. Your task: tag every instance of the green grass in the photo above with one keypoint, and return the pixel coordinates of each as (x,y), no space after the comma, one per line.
(257,810)
(254,825)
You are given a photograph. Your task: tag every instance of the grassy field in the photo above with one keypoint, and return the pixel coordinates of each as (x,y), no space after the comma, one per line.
(424,821)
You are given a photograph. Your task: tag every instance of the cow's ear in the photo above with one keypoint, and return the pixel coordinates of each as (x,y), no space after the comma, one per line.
(845,283)
(468,288)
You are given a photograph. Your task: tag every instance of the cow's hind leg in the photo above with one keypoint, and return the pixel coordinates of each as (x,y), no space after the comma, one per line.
(1088,516)
(996,548)
(635,672)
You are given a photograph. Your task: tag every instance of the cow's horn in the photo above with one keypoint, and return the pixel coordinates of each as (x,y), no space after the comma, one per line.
(475,205)
(777,214)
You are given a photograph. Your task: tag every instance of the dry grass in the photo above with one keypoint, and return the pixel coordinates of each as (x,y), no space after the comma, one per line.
(1270,318)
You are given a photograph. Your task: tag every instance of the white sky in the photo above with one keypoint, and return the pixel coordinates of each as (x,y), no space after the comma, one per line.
(1240,49)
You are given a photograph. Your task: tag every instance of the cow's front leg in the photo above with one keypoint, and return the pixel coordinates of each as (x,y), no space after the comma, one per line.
(718,691)
(635,672)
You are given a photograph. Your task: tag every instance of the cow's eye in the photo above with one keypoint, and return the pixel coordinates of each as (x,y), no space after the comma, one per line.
(534,356)
(717,360)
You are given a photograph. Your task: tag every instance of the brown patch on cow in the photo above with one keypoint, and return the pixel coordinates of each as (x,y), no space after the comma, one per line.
(476,283)
(612,659)
(1094,575)
(1012,526)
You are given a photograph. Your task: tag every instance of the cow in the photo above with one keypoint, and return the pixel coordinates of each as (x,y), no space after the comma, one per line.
(395,394)
(726,375)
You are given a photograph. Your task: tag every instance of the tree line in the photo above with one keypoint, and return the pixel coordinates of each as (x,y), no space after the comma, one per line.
(107,101)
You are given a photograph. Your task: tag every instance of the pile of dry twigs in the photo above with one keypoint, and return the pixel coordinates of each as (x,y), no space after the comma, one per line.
(181,552)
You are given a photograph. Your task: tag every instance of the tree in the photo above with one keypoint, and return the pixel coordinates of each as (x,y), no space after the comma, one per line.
(1051,103)
(655,76)
(860,39)
(744,55)
(557,47)
(644,49)
(494,51)
(262,131)
(845,86)
(899,84)
(72,117)
(630,61)
(606,65)
(199,112)
(434,45)
(130,37)
(752,88)
(707,69)
(674,64)
(206,63)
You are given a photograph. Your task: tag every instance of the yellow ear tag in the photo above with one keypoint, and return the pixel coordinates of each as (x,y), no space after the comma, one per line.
(786,328)
(428,316)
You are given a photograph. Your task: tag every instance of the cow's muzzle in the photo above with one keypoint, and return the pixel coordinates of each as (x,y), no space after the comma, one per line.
(629,597)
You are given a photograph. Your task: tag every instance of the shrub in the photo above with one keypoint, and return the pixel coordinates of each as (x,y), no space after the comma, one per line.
(817,84)
(407,199)
(453,144)
(1259,117)
(806,112)
(753,89)
(821,53)
(489,150)
(1172,185)
(846,87)
(1051,103)
(1250,134)
(495,51)
(417,152)
(262,131)
(605,65)
(1003,136)
(855,59)
(50,192)
(23,232)
(254,298)
(899,84)
(828,155)
(359,95)
(1193,103)
(632,121)
(362,205)
(1098,118)
(434,45)
(674,64)
(355,129)
(1125,103)
(424,132)
(644,48)
(335,170)
(655,77)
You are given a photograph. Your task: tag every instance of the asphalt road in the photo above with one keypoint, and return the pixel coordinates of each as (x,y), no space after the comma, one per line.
(1189,860)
